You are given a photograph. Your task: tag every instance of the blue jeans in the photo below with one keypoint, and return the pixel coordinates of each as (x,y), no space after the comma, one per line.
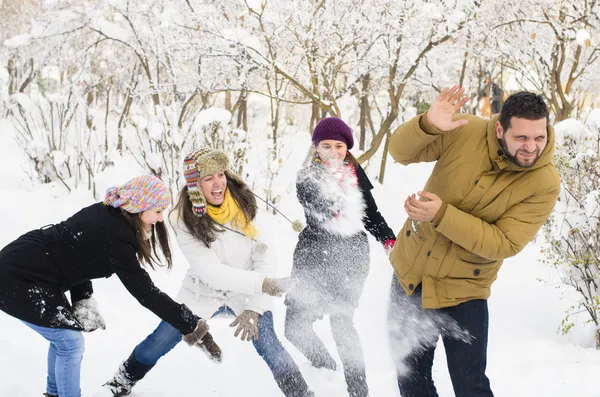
(268,346)
(64,359)
(466,357)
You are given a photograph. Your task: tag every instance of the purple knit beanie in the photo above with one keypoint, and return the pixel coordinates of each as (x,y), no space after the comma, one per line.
(333,128)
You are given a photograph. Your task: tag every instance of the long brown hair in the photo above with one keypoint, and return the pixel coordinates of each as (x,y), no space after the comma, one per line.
(203,227)
(147,247)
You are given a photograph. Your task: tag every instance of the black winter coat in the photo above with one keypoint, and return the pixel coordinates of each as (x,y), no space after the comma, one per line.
(40,266)
(332,267)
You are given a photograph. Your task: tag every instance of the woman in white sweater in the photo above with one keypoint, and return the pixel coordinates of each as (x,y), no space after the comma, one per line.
(230,273)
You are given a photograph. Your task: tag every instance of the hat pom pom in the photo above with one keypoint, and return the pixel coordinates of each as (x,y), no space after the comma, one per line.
(297,226)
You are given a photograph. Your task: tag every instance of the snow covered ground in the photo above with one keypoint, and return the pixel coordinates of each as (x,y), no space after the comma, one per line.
(526,355)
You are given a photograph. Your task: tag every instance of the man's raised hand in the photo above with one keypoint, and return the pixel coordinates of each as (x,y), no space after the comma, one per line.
(440,114)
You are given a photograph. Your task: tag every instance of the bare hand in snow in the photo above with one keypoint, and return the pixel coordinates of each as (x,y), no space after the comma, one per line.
(423,210)
(87,313)
(442,110)
(278,286)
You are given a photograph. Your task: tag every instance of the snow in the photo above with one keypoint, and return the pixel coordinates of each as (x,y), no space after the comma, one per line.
(518,83)
(256,5)
(526,355)
(17,41)
(112,30)
(21,99)
(59,158)
(583,37)
(593,120)
(155,130)
(570,128)
(211,115)
(4,76)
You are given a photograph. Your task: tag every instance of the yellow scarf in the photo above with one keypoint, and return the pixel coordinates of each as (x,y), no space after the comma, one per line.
(229,211)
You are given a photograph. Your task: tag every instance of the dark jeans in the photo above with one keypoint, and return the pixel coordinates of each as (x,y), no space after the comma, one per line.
(299,331)
(414,333)
(280,362)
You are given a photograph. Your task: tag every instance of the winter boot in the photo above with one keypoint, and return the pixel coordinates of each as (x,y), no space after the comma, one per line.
(293,385)
(128,374)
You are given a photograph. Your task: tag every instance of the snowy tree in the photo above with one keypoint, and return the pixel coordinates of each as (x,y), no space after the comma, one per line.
(573,233)
(558,48)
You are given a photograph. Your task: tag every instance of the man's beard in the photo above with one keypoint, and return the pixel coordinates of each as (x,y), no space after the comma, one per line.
(514,158)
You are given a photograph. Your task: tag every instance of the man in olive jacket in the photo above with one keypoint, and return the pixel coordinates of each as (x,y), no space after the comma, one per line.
(492,188)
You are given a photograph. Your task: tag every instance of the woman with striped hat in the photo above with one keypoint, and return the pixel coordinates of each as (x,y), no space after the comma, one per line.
(231,272)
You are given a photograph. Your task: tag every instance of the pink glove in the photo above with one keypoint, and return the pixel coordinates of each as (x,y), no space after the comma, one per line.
(389,245)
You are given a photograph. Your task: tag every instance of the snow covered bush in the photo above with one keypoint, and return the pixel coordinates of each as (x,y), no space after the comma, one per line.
(59,137)
(573,232)
(159,142)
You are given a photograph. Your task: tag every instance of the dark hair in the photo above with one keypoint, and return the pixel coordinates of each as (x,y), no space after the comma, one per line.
(203,227)
(524,105)
(350,159)
(147,247)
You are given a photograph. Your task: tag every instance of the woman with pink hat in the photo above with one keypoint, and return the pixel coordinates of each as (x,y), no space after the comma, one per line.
(331,259)
(116,236)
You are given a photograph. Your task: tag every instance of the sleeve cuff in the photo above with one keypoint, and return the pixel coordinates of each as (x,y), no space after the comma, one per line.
(426,127)
(440,215)
(258,283)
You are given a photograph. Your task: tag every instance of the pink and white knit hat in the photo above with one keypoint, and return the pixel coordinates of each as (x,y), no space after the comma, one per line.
(141,193)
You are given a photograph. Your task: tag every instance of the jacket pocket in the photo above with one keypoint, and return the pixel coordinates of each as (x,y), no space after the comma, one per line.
(471,278)
(406,251)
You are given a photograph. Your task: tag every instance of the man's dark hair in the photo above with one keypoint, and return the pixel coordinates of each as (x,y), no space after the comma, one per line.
(524,105)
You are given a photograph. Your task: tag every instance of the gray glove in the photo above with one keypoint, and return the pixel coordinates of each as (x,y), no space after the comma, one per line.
(194,337)
(86,312)
(278,286)
(247,323)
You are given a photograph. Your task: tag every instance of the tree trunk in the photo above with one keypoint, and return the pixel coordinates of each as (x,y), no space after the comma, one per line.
(106,126)
(386,146)
(88,118)
(228,100)
(315,116)
(364,111)
(242,111)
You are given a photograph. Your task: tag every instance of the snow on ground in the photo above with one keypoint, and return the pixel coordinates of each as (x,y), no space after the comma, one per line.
(526,355)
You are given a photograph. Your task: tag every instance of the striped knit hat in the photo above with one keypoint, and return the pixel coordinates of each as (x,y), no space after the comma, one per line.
(141,193)
(199,164)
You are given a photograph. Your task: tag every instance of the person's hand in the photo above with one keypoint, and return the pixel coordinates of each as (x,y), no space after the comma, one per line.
(442,110)
(86,312)
(197,334)
(247,325)
(278,286)
(423,210)
(208,345)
